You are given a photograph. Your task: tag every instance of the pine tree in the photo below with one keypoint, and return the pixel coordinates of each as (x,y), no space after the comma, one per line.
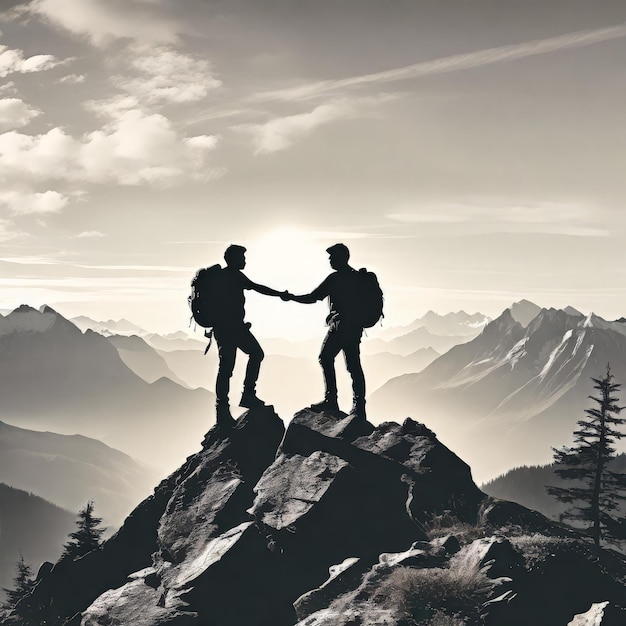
(598,490)
(87,537)
(22,584)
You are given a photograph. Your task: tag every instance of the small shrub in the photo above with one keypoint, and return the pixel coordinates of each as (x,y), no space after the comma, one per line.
(445,523)
(438,593)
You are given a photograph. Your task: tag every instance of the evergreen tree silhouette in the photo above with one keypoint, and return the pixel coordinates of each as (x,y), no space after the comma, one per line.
(22,584)
(87,537)
(598,490)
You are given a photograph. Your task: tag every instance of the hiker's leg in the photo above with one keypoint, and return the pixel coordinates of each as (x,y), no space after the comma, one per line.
(248,344)
(330,349)
(227,352)
(352,354)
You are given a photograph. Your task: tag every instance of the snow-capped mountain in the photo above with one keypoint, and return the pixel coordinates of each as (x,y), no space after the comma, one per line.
(55,377)
(511,393)
(108,327)
(455,324)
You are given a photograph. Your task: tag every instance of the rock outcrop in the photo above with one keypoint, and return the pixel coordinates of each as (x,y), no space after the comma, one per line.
(331,523)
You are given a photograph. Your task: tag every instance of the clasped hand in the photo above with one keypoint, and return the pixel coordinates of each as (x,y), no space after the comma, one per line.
(285,296)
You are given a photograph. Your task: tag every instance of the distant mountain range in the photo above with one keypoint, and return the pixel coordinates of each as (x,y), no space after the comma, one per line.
(55,377)
(69,470)
(509,394)
(32,527)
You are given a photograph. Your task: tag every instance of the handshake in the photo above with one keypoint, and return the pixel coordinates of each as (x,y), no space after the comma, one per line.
(285,296)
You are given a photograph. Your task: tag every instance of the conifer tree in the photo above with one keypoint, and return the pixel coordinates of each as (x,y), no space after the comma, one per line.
(87,537)
(22,584)
(598,490)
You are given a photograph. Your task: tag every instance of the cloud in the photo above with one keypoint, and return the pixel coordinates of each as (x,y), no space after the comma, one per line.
(8,87)
(105,20)
(167,76)
(90,234)
(25,203)
(540,217)
(13,61)
(134,149)
(450,63)
(14,113)
(7,231)
(72,79)
(282,132)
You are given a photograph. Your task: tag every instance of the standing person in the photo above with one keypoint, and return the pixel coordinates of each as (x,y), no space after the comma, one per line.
(231,332)
(345,291)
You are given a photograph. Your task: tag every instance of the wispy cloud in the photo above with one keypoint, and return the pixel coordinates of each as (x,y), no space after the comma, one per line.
(105,20)
(14,62)
(282,132)
(449,64)
(540,217)
(72,79)
(90,234)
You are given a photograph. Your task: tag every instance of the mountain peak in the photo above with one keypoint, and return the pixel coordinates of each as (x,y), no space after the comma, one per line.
(524,311)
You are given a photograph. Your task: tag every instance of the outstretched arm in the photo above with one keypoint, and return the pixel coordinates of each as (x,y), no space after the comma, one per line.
(266,291)
(319,293)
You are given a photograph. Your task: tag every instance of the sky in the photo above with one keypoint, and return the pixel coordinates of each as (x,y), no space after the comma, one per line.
(470,153)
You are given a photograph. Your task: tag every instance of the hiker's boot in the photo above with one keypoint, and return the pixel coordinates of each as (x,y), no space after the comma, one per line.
(250,400)
(358,409)
(223,418)
(329,403)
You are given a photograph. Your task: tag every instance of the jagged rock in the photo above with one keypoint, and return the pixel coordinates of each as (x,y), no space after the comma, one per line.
(496,555)
(600,614)
(449,543)
(318,528)
(498,513)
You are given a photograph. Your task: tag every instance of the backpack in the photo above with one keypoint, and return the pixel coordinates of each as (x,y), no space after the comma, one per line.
(369,298)
(203,300)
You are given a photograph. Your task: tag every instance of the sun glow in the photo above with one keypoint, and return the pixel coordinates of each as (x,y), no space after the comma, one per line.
(292,259)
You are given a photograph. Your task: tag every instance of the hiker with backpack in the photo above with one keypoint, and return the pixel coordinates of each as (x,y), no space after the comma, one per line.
(356,302)
(217,301)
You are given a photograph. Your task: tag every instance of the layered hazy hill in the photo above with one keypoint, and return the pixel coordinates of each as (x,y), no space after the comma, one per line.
(527,486)
(69,470)
(32,527)
(55,377)
(290,375)
(515,390)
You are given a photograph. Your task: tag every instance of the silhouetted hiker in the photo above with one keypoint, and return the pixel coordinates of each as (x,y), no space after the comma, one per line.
(355,301)
(223,309)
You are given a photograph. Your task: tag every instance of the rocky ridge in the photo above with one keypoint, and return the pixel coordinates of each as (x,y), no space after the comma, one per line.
(331,522)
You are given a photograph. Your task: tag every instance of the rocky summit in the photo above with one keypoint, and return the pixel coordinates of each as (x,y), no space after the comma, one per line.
(330,523)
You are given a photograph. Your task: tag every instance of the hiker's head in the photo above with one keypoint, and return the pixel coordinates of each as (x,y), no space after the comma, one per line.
(338,255)
(235,256)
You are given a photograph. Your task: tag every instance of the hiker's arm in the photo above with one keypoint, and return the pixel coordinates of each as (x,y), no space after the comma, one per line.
(317,294)
(262,289)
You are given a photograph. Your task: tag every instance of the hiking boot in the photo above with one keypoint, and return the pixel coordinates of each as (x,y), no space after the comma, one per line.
(327,404)
(249,400)
(223,417)
(358,410)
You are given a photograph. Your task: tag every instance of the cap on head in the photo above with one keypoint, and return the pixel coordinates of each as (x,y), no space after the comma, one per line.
(233,252)
(339,251)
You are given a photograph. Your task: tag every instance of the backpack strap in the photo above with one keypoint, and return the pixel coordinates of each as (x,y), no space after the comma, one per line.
(209,335)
